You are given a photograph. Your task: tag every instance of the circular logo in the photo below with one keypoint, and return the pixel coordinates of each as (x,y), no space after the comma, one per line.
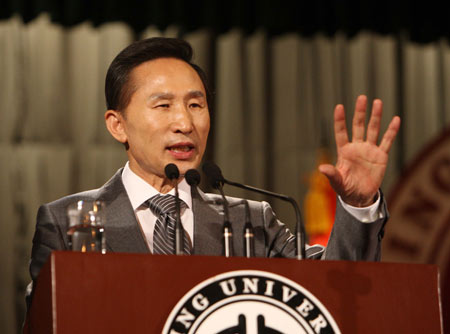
(251,302)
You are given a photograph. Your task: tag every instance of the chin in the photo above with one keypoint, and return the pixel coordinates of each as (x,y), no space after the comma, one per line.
(185,166)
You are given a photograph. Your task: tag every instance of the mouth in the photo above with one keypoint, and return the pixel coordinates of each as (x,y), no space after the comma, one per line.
(181,150)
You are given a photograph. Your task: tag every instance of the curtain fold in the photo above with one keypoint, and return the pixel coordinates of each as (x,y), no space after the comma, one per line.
(230,127)
(8,235)
(422,117)
(44,80)
(12,90)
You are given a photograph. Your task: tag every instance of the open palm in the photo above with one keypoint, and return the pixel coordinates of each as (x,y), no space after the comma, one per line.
(361,162)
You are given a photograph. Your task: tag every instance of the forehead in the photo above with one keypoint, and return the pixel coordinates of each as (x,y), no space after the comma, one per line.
(169,73)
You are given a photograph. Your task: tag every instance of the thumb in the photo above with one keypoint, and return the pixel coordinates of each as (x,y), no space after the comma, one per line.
(333,175)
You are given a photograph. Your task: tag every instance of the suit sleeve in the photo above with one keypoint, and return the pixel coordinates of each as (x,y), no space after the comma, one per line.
(350,238)
(47,237)
(279,241)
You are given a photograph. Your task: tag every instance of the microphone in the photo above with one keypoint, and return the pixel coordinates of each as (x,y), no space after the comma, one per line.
(227,229)
(214,174)
(192,177)
(172,173)
(213,171)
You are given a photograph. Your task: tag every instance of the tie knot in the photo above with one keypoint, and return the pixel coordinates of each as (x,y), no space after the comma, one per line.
(164,205)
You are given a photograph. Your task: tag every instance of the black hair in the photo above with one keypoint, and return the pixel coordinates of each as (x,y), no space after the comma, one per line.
(118,91)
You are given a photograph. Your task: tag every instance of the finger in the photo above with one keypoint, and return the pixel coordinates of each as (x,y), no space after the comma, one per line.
(390,134)
(340,128)
(373,128)
(333,176)
(359,118)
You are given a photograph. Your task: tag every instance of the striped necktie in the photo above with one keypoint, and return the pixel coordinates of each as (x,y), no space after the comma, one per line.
(164,208)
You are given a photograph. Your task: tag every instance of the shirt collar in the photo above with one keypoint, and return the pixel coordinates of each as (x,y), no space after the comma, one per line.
(140,191)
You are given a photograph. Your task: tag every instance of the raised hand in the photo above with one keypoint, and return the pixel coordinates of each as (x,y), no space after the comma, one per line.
(361,163)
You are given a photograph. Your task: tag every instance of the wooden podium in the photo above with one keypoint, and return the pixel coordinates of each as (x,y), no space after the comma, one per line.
(135,293)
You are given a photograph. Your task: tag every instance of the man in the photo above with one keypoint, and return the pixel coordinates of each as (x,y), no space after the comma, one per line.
(158,107)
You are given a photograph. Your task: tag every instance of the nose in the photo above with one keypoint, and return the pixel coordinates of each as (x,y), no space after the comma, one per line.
(182,121)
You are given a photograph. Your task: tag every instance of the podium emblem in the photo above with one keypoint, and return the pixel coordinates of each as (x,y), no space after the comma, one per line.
(249,302)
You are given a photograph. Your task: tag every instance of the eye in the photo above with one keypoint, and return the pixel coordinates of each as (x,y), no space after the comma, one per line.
(163,105)
(195,105)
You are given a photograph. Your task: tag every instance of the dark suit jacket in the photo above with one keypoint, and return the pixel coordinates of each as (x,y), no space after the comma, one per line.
(350,239)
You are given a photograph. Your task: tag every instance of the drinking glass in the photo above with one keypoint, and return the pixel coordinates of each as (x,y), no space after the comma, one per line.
(86,226)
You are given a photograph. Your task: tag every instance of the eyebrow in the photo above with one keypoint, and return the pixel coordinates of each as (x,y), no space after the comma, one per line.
(195,93)
(170,96)
(161,96)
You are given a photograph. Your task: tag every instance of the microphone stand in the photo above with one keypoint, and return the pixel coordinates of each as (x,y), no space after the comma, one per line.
(249,243)
(172,173)
(249,236)
(211,171)
(299,228)
(217,181)
(179,237)
(227,229)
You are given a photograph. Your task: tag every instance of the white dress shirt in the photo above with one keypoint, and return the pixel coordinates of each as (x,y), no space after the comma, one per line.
(368,214)
(139,191)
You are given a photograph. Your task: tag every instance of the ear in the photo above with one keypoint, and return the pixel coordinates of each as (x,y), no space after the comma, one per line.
(115,124)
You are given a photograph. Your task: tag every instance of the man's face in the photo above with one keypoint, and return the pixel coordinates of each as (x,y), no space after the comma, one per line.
(167,119)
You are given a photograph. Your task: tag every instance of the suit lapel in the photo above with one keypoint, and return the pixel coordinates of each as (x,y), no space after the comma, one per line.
(122,230)
(207,225)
